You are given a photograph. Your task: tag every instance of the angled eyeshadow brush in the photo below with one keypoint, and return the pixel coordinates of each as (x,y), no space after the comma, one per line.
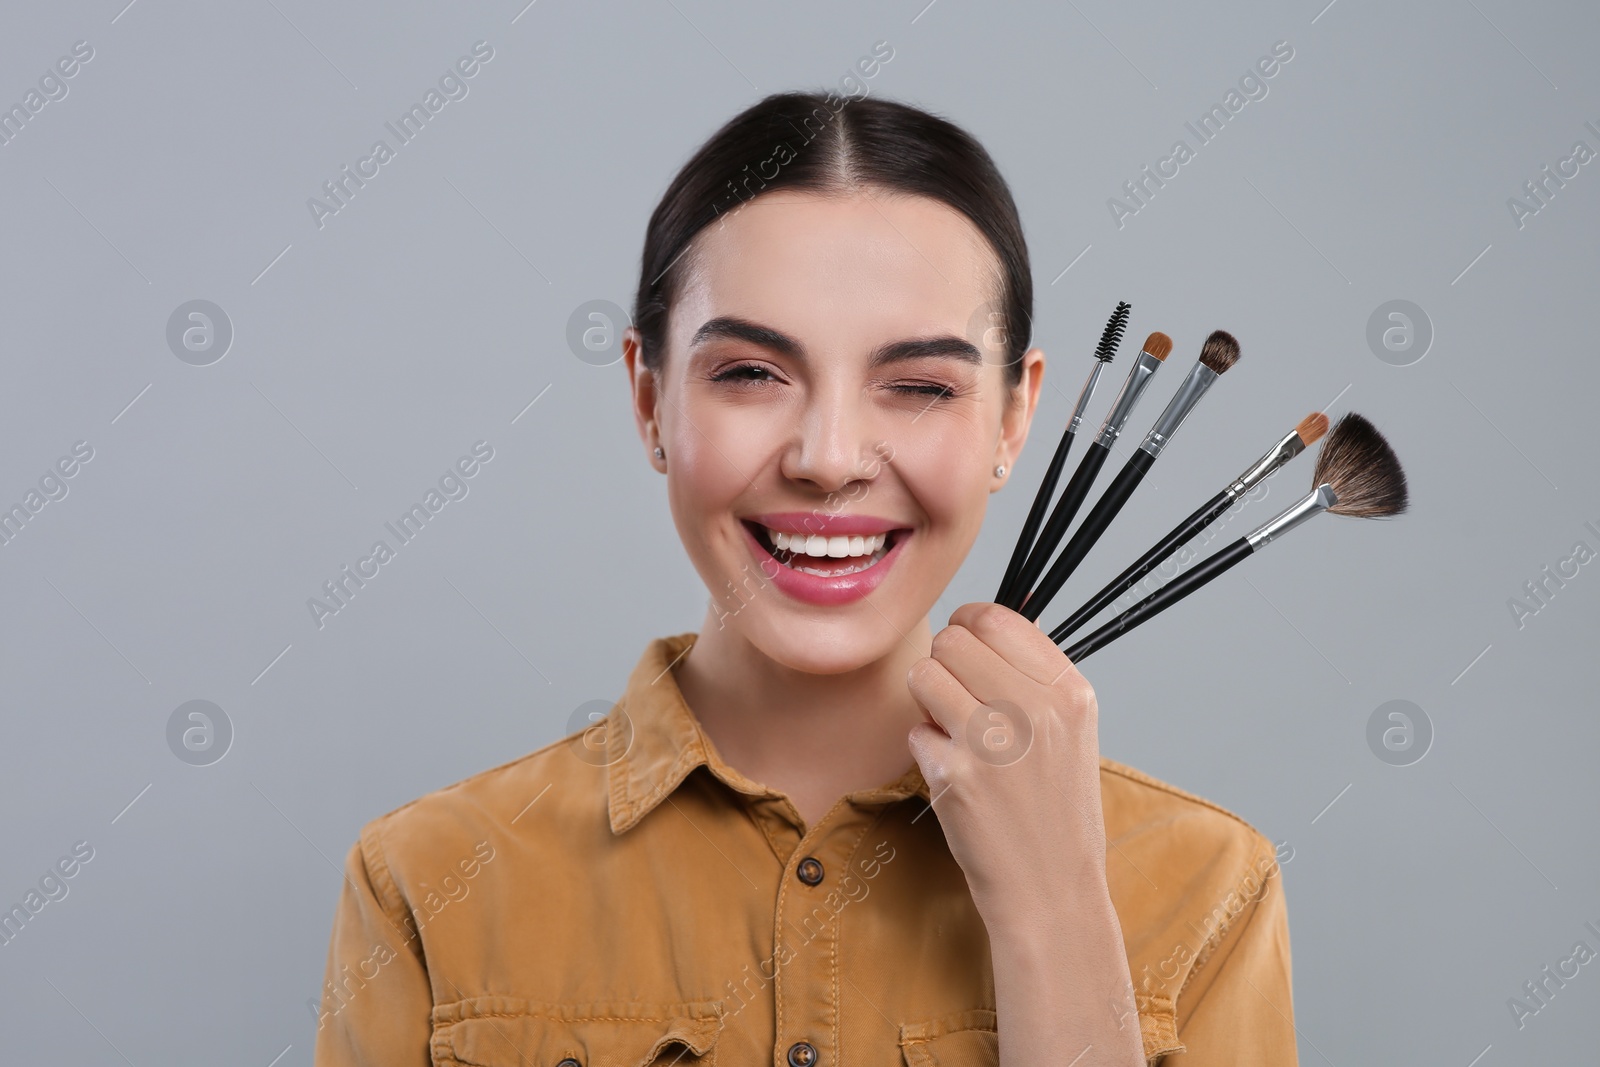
(1156,348)
(1357,473)
(1217,355)
(1306,433)
(1103,354)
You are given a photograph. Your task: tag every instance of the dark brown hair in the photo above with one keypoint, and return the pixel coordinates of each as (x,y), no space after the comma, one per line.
(832,145)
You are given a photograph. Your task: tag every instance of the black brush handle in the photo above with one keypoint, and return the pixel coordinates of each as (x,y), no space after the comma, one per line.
(1161,599)
(1030,529)
(1180,536)
(1094,524)
(1065,510)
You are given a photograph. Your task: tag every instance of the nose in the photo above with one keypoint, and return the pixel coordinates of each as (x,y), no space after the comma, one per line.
(831,449)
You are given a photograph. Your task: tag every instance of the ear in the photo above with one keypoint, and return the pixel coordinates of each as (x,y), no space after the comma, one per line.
(1017,416)
(644,384)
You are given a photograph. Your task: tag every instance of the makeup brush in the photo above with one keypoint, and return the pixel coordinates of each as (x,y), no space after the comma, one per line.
(1156,348)
(1357,473)
(1217,355)
(1308,431)
(1103,354)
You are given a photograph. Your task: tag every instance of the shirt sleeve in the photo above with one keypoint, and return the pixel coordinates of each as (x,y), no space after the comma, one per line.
(376,1000)
(1239,1008)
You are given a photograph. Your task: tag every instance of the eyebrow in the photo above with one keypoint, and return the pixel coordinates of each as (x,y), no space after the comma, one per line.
(947,346)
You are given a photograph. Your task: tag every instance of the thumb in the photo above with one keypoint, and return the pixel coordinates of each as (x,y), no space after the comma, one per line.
(930,747)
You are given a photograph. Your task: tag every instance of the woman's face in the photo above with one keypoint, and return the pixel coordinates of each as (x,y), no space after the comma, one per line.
(832,406)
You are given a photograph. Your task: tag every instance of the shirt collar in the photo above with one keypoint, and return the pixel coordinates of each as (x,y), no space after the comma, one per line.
(653,741)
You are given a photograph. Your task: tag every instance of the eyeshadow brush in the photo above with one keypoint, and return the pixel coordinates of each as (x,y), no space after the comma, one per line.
(1217,355)
(1357,473)
(1156,348)
(1307,432)
(1103,354)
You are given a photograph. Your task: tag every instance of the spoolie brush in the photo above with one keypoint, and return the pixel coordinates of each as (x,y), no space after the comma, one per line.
(1357,473)
(1307,432)
(1156,348)
(1217,355)
(1103,354)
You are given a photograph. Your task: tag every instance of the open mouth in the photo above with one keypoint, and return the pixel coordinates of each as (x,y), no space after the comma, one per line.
(825,557)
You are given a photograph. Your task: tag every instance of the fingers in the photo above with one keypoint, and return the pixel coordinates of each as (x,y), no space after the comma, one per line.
(980,669)
(1019,642)
(947,702)
(990,656)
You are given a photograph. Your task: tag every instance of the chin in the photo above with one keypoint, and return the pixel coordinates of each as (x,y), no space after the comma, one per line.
(821,645)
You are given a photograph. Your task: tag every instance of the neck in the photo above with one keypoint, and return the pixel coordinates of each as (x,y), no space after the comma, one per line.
(813,737)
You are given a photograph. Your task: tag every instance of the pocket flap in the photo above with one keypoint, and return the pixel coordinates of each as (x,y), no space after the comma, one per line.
(968,1038)
(971,1038)
(512,1032)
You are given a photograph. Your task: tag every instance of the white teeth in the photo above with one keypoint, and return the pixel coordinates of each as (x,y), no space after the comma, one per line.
(839,573)
(843,547)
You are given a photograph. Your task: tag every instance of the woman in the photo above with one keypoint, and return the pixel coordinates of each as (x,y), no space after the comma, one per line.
(739,864)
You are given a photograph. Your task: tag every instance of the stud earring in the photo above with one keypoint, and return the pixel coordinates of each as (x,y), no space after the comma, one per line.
(660,452)
(1000,471)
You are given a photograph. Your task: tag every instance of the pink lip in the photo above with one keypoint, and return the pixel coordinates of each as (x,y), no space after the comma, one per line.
(810,522)
(813,588)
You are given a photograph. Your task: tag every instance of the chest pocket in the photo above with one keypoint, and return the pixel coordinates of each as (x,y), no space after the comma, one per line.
(511,1032)
(967,1038)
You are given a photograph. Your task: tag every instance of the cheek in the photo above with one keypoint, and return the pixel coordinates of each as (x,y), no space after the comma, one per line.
(701,483)
(947,468)
(712,455)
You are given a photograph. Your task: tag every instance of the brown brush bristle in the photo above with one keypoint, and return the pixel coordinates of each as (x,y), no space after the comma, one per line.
(1159,345)
(1362,469)
(1311,428)
(1220,351)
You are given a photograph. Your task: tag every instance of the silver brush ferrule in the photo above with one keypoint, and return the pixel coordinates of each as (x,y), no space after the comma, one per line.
(1280,453)
(1318,500)
(1144,368)
(1183,401)
(1084,396)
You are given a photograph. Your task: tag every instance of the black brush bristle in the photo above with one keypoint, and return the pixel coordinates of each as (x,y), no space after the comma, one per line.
(1112,337)
(1220,351)
(1363,470)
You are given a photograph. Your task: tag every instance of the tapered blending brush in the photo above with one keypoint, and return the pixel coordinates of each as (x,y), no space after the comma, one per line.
(1357,473)
(1103,354)
(1307,432)
(1156,348)
(1220,352)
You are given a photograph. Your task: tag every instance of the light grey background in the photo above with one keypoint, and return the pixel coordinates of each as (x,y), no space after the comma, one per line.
(369,354)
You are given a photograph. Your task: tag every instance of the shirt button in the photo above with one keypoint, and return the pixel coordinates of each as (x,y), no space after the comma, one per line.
(569,1062)
(802,1054)
(810,872)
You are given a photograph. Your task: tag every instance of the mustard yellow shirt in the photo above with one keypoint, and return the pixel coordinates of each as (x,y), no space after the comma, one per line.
(623,897)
